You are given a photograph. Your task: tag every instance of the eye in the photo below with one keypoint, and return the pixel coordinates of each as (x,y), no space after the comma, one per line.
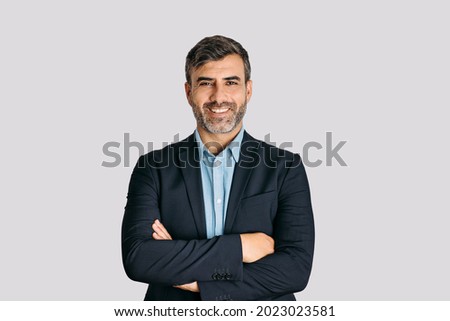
(205,83)
(231,83)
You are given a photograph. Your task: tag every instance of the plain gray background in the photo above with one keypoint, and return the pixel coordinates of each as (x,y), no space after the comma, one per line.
(77,74)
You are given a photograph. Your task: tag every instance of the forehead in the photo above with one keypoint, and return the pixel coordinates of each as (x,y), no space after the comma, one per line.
(231,65)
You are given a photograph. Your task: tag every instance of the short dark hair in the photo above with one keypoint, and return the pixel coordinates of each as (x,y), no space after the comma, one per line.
(212,49)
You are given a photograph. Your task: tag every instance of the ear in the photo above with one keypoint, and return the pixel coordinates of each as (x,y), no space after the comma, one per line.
(187,90)
(248,89)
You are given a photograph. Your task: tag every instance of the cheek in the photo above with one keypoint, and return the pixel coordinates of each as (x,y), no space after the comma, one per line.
(199,98)
(240,97)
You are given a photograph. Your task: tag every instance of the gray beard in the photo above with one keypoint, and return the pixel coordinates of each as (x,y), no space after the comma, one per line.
(219,126)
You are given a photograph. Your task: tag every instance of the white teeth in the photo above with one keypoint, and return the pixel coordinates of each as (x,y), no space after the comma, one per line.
(219,110)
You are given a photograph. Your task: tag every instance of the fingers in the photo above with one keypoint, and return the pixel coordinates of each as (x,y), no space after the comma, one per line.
(255,246)
(193,287)
(156,236)
(160,232)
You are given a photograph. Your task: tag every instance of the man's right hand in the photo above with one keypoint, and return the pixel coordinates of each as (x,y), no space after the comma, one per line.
(255,246)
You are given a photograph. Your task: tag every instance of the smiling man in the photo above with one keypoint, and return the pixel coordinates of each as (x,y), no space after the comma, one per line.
(219,215)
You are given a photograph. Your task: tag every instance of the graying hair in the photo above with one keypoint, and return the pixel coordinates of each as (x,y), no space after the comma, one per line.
(212,49)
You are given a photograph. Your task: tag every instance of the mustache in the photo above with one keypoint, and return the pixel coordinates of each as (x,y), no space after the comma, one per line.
(217,105)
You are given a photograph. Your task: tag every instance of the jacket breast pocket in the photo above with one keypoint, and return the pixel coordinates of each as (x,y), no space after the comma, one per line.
(257,213)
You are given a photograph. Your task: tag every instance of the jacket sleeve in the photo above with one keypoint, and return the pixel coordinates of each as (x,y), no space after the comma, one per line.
(288,269)
(175,261)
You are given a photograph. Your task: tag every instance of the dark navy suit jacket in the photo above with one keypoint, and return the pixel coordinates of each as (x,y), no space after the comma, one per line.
(269,194)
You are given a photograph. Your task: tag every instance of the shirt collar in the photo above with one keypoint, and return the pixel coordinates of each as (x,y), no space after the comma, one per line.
(233,148)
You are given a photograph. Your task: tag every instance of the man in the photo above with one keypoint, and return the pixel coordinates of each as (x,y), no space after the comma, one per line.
(219,215)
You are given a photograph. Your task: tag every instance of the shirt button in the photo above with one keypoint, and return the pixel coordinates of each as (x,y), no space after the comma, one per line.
(219,200)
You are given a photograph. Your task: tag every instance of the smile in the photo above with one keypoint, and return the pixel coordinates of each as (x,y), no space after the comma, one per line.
(219,110)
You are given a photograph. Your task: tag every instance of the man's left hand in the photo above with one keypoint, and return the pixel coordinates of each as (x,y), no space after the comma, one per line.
(160,233)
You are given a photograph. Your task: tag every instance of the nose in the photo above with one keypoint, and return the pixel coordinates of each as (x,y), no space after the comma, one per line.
(218,94)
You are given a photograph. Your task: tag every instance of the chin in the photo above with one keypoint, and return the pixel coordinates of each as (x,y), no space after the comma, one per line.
(220,130)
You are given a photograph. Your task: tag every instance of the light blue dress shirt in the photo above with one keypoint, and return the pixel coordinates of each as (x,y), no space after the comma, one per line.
(217,176)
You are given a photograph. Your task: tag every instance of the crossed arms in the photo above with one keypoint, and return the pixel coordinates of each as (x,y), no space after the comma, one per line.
(253,266)
(254,247)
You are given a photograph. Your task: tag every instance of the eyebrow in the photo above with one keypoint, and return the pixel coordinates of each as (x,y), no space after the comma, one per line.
(232,78)
(226,78)
(204,78)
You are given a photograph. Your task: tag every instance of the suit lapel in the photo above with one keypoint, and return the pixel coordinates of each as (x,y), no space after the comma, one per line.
(190,169)
(248,159)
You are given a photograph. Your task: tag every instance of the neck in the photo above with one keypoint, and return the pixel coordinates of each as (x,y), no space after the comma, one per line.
(217,142)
